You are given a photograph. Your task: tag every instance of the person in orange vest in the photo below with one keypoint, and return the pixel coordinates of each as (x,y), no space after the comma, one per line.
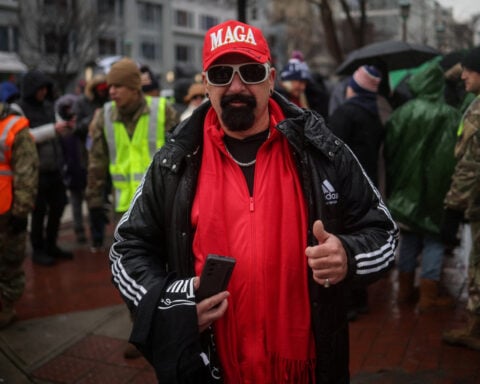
(18,189)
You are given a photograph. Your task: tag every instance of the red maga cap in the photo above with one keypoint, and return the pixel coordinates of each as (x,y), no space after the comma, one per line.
(234,37)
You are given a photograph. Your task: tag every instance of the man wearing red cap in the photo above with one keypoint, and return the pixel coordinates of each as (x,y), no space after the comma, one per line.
(251,176)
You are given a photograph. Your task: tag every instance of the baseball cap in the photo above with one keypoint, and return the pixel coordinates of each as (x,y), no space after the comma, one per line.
(234,37)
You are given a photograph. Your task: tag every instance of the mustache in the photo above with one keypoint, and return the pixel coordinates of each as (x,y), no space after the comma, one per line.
(250,101)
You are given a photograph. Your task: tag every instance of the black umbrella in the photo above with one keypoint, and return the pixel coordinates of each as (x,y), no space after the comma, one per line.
(391,53)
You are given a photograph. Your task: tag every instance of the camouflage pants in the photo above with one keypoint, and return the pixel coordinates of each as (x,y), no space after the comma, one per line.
(12,275)
(473,304)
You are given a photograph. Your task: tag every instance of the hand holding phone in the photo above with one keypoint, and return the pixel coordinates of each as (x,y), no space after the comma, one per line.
(215,276)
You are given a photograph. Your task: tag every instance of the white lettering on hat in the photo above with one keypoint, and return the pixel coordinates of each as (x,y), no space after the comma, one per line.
(237,35)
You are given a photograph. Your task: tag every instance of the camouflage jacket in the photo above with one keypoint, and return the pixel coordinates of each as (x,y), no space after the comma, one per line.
(25,165)
(98,157)
(464,193)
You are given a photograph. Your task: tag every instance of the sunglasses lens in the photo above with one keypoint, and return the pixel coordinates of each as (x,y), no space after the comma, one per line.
(220,74)
(253,73)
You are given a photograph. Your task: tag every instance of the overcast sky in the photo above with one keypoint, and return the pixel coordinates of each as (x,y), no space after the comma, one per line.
(462,9)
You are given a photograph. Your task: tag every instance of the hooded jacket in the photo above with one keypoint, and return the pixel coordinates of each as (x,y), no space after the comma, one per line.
(40,113)
(153,264)
(419,146)
(85,106)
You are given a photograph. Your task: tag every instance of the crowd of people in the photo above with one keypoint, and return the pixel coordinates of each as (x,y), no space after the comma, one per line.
(309,187)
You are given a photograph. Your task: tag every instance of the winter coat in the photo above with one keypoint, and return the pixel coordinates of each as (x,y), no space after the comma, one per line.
(40,113)
(362,130)
(73,145)
(419,159)
(464,192)
(153,246)
(85,106)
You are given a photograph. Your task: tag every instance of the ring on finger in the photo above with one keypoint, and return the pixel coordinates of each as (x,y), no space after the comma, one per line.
(326,284)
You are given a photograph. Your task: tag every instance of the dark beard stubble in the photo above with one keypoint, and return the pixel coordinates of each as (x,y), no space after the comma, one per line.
(238,118)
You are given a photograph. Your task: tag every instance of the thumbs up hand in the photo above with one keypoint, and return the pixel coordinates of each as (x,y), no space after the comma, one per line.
(328,259)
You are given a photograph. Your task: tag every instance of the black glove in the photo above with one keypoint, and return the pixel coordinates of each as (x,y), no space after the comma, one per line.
(98,215)
(17,224)
(449,227)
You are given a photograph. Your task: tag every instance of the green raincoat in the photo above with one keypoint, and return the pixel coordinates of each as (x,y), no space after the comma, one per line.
(419,146)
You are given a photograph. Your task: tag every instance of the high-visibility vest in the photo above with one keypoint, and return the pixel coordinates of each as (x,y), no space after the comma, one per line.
(461,125)
(9,127)
(130,158)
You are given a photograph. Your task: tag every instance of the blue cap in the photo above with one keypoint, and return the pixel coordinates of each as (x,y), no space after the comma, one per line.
(8,92)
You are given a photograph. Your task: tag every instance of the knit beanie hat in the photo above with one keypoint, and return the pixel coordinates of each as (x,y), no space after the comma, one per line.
(296,54)
(125,72)
(366,79)
(471,60)
(295,70)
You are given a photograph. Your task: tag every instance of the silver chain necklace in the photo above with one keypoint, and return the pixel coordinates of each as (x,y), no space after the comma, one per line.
(241,164)
(249,164)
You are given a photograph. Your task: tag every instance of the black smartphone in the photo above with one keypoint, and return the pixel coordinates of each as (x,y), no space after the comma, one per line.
(215,276)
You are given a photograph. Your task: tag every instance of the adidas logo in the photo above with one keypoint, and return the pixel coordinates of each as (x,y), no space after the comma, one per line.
(331,197)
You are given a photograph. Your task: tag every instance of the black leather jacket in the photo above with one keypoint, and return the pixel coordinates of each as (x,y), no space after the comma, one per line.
(153,246)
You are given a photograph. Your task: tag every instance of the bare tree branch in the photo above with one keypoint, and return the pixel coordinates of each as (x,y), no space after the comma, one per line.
(329,28)
(356,30)
(58,38)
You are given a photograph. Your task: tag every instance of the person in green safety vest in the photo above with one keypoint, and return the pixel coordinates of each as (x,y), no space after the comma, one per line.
(125,134)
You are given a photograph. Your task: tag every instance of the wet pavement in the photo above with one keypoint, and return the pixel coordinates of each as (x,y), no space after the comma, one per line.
(72,328)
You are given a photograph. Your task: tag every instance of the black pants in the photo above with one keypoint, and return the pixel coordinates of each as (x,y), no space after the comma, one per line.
(49,205)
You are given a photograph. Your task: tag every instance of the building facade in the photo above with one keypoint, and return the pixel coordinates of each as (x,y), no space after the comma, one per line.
(72,35)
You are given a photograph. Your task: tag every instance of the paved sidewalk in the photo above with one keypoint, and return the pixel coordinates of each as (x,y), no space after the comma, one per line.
(28,345)
(54,341)
(73,328)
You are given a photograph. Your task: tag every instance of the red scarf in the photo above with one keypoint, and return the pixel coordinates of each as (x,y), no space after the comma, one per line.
(265,336)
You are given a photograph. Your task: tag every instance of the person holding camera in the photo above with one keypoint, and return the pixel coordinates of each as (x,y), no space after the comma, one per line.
(251,176)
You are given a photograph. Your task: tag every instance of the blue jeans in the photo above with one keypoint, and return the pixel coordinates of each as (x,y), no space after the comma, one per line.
(412,245)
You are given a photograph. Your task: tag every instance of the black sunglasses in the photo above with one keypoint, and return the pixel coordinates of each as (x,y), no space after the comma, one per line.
(250,73)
